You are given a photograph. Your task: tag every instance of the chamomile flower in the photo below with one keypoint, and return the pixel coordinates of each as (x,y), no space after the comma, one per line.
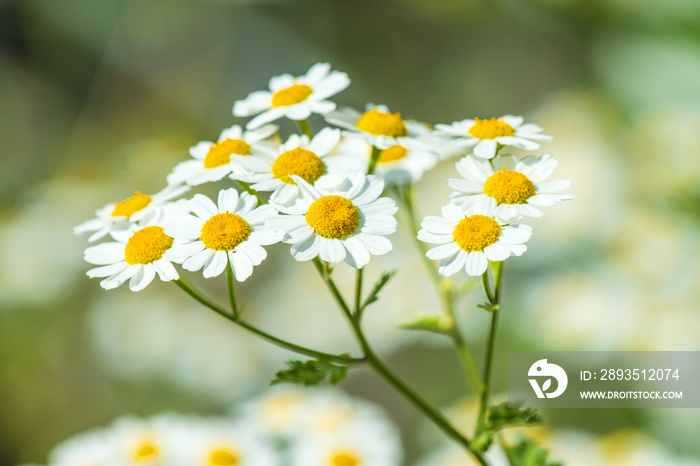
(469,239)
(517,191)
(137,255)
(120,216)
(232,231)
(397,164)
(340,218)
(365,445)
(378,125)
(486,135)
(146,442)
(213,161)
(307,158)
(294,98)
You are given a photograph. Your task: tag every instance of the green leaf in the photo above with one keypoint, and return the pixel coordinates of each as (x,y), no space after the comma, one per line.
(311,373)
(431,323)
(528,453)
(482,441)
(488,307)
(502,416)
(374,294)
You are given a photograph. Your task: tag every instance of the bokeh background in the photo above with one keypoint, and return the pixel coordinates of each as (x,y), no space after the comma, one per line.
(100,98)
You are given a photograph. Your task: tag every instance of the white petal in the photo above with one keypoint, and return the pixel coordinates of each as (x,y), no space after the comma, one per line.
(474,169)
(198,261)
(202,206)
(165,270)
(143,278)
(453,264)
(497,252)
(486,149)
(266,236)
(216,266)
(182,252)
(432,238)
(332,251)
(254,252)
(308,249)
(184,227)
(357,254)
(443,252)
(552,186)
(476,263)
(241,265)
(516,234)
(438,225)
(105,253)
(325,141)
(107,270)
(376,245)
(228,200)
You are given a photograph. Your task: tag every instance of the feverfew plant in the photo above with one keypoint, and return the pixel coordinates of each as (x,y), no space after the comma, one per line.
(332,195)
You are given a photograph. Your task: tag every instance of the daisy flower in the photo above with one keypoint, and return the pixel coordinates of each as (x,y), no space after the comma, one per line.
(360,445)
(341,218)
(377,125)
(294,98)
(120,216)
(307,158)
(486,135)
(517,191)
(232,231)
(469,238)
(137,255)
(147,442)
(213,161)
(397,164)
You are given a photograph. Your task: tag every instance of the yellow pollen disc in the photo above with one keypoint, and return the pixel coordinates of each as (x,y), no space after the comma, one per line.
(291,95)
(129,207)
(490,129)
(221,152)
(145,452)
(300,162)
(476,232)
(382,124)
(147,245)
(392,154)
(509,187)
(333,217)
(344,459)
(223,232)
(223,457)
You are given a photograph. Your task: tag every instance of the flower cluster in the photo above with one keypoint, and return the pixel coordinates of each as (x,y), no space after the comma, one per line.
(282,427)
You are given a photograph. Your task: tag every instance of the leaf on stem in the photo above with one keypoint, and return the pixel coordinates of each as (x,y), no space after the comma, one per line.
(527,452)
(311,372)
(502,416)
(374,294)
(488,307)
(432,323)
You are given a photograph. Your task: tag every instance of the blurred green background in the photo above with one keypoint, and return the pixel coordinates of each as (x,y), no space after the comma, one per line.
(101,98)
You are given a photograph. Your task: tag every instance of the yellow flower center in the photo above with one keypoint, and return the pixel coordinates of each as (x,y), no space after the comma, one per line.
(145,452)
(333,217)
(509,187)
(129,207)
(291,95)
(223,457)
(490,129)
(147,245)
(300,162)
(344,459)
(476,232)
(382,124)
(392,154)
(223,232)
(221,152)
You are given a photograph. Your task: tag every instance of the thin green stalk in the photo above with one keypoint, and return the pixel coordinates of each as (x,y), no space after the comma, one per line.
(190,290)
(490,345)
(358,292)
(373,160)
(305,127)
(392,379)
(231,291)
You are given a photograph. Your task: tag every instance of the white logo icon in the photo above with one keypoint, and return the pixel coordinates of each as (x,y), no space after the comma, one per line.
(542,368)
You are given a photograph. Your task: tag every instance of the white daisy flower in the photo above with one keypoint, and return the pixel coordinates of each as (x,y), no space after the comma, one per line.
(485,135)
(307,158)
(469,239)
(377,125)
(397,164)
(517,191)
(93,448)
(120,216)
(136,255)
(214,161)
(365,445)
(339,219)
(278,411)
(294,98)
(232,232)
(147,442)
(222,442)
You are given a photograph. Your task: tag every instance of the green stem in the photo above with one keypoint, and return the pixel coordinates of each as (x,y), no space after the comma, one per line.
(445,293)
(358,293)
(305,127)
(488,363)
(231,291)
(373,160)
(190,290)
(392,379)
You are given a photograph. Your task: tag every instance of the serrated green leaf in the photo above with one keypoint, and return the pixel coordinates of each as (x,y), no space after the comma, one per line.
(488,307)
(528,453)
(502,416)
(374,294)
(311,373)
(434,324)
